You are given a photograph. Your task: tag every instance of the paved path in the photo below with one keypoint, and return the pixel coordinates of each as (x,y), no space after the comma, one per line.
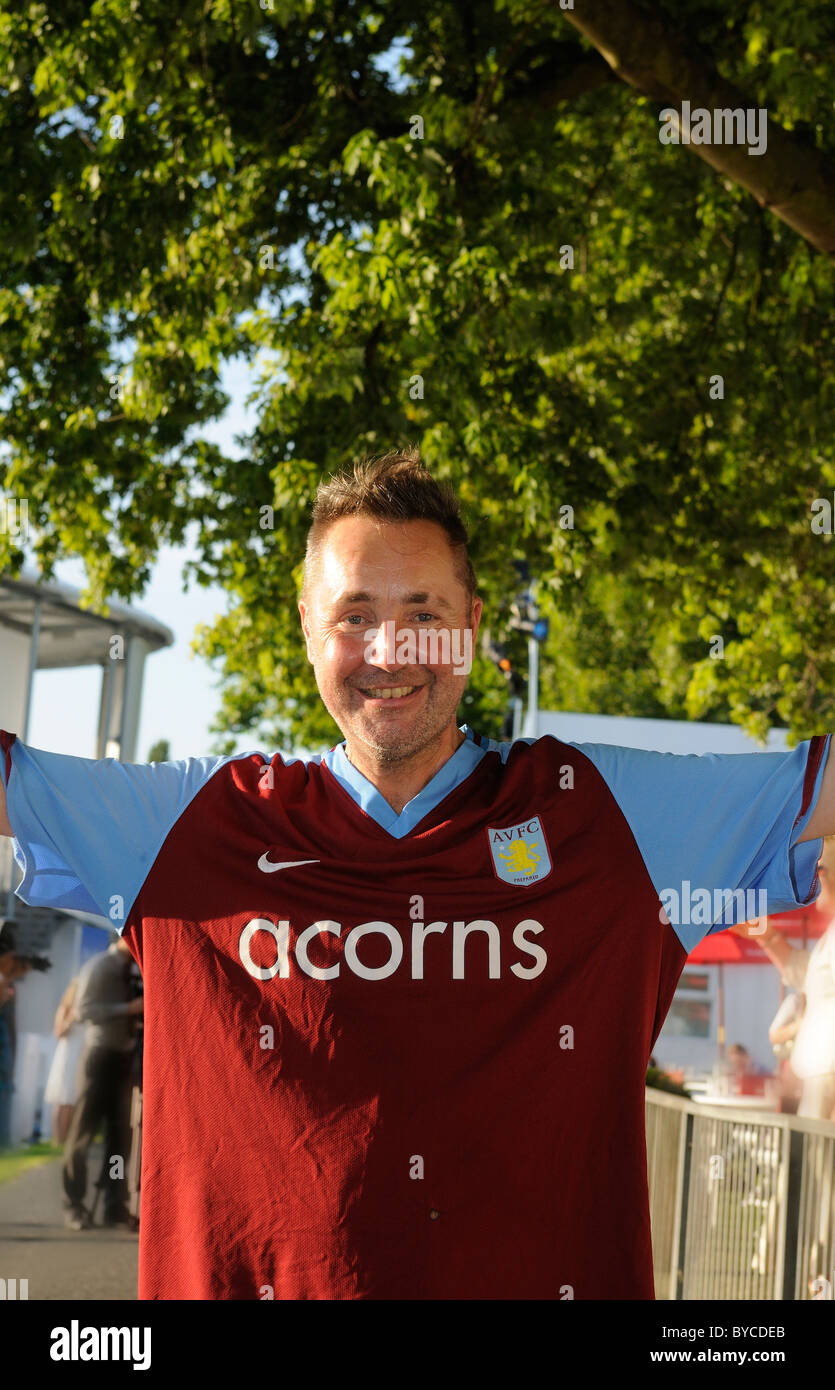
(35,1245)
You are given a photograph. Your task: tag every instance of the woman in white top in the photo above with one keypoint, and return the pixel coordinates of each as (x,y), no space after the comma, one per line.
(62,1083)
(813,972)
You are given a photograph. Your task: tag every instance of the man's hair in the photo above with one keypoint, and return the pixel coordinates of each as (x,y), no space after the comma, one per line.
(396,486)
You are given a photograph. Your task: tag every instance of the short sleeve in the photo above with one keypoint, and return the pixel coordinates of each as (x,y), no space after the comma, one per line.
(719,833)
(87,830)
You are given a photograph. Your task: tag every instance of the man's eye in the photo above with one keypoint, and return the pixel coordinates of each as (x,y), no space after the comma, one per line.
(425,617)
(354,619)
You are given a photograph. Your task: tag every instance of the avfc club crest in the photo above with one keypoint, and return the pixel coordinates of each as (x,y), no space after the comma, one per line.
(520,852)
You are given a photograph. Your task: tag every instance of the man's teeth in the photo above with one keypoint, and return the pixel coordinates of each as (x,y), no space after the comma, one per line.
(391,692)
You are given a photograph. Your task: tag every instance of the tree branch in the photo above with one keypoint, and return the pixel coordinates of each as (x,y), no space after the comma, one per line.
(729,275)
(791,178)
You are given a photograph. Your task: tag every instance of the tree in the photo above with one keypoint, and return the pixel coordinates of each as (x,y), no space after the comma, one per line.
(789,176)
(481,246)
(159,752)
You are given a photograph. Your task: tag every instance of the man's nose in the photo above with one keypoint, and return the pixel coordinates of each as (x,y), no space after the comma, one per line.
(381,645)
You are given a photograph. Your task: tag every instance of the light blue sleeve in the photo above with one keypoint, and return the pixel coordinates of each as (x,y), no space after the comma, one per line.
(718,832)
(87,830)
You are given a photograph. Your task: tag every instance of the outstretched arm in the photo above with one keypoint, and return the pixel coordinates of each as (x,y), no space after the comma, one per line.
(89,829)
(790,960)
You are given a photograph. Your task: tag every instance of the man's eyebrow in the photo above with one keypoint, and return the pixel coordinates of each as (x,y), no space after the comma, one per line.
(418,596)
(423,596)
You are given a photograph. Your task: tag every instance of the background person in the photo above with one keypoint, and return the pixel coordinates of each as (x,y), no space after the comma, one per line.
(62,1082)
(745,1072)
(105,1006)
(781,1035)
(813,972)
(13,968)
(7,950)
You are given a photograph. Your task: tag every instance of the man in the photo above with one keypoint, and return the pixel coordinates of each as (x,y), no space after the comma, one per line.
(400,997)
(781,1034)
(104,1005)
(813,972)
(743,1069)
(7,972)
(8,952)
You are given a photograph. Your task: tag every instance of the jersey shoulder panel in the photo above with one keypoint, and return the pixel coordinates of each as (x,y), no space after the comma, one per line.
(88,830)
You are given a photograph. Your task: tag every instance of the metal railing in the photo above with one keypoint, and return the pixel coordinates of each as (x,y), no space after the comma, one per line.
(742,1205)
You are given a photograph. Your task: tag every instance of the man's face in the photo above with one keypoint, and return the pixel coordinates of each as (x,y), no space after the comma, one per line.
(396,579)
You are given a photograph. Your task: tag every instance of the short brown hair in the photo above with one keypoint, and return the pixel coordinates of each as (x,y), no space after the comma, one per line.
(396,486)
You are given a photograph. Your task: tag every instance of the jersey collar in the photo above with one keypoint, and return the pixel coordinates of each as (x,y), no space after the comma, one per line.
(450,775)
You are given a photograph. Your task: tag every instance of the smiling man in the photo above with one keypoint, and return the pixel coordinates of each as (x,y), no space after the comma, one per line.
(371,579)
(400,996)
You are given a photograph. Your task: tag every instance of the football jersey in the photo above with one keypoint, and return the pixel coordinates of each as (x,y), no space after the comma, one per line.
(403,1056)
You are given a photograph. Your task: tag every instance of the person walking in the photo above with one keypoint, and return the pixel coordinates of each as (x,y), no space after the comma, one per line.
(105,1007)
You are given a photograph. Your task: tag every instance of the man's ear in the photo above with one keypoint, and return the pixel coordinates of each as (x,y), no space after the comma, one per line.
(478,605)
(305,621)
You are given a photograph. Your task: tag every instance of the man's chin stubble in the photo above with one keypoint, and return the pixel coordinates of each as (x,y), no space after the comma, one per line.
(389,753)
(400,749)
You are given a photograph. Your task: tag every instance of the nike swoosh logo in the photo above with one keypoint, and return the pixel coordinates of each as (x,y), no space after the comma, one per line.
(268,867)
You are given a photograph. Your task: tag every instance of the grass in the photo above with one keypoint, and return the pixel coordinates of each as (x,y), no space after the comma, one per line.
(13,1162)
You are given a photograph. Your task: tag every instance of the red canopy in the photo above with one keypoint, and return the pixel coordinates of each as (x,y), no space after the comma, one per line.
(726,947)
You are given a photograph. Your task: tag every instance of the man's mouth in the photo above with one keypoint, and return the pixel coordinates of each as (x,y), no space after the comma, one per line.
(389,692)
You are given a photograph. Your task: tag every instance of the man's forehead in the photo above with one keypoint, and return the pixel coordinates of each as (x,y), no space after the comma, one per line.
(357,554)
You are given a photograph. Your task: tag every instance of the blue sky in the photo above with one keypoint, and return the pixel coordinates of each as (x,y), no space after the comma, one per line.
(180,692)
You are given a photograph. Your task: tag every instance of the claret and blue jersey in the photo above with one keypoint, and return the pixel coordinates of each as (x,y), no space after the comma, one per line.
(403,1056)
